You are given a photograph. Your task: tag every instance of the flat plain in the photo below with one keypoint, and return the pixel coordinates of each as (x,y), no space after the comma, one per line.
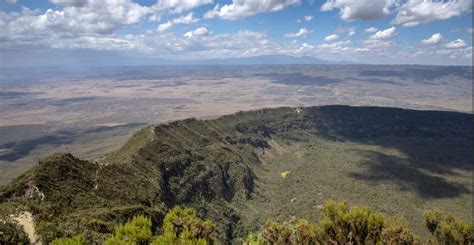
(91,111)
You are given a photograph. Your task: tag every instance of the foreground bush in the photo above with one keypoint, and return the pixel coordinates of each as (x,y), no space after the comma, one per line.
(342,224)
(77,240)
(446,229)
(136,231)
(182,226)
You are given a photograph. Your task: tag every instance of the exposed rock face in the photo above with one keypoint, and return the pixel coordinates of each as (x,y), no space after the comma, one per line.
(25,219)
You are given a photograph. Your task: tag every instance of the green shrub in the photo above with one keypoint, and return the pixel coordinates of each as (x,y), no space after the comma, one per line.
(135,231)
(276,233)
(342,224)
(396,231)
(447,229)
(432,219)
(305,232)
(77,240)
(182,226)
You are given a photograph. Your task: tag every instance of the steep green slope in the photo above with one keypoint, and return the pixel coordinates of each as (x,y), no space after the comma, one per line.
(229,169)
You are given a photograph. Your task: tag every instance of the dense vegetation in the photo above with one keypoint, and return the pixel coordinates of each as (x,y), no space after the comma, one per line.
(341,225)
(225,169)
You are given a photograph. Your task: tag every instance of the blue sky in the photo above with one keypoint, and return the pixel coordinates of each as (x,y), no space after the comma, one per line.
(363,31)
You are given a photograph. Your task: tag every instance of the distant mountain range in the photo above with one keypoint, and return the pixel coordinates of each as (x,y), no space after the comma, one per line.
(260,60)
(79,58)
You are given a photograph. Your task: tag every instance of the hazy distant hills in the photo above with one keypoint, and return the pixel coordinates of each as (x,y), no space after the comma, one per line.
(241,169)
(261,60)
(65,58)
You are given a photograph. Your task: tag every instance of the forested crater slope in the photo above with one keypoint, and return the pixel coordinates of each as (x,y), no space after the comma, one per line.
(241,169)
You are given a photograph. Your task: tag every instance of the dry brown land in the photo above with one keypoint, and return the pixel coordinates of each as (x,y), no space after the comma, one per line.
(90,115)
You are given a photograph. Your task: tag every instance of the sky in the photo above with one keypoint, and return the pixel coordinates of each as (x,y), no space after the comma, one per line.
(33,32)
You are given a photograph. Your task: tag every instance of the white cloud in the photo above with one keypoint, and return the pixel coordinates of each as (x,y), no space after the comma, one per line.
(178,6)
(185,19)
(415,12)
(199,32)
(371,30)
(385,34)
(165,26)
(240,9)
(360,9)
(455,50)
(70,3)
(93,24)
(434,39)
(378,44)
(456,44)
(331,38)
(351,31)
(85,18)
(339,49)
(303,32)
(104,16)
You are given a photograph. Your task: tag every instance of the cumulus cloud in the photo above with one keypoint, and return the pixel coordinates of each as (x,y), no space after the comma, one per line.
(378,44)
(178,6)
(96,16)
(352,31)
(456,49)
(331,38)
(303,32)
(70,3)
(185,19)
(434,39)
(94,24)
(385,34)
(456,44)
(360,9)
(86,18)
(240,9)
(415,12)
(371,30)
(340,48)
(199,32)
